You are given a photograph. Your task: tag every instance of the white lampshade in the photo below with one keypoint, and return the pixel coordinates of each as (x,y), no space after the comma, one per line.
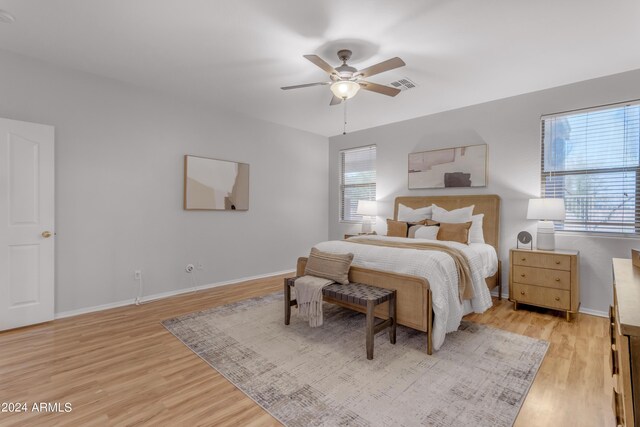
(367,208)
(345,89)
(546,209)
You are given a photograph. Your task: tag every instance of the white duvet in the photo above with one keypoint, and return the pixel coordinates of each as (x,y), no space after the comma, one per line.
(435,266)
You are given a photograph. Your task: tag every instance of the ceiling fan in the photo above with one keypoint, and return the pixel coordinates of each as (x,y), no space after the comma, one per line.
(346,80)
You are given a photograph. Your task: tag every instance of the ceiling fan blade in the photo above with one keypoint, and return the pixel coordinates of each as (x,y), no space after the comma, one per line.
(381,67)
(335,100)
(374,87)
(321,63)
(305,85)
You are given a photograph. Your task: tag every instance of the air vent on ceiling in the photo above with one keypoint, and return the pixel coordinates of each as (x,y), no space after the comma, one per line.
(6,17)
(404,84)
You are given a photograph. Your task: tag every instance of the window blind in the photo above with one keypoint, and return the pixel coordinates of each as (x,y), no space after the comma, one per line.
(591,158)
(357,180)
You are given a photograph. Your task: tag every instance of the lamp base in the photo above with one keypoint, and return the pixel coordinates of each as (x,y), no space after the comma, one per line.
(546,236)
(366,225)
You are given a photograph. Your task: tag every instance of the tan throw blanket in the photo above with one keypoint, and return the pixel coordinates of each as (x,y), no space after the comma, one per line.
(465,283)
(309,298)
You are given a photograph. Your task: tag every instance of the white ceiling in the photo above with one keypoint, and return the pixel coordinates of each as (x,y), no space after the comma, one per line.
(236,54)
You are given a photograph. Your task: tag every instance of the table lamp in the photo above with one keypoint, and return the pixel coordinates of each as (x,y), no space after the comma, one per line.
(368,209)
(546,211)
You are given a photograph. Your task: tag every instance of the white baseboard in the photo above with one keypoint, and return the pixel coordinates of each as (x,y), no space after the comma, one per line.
(163,295)
(504,296)
(85,310)
(582,310)
(592,312)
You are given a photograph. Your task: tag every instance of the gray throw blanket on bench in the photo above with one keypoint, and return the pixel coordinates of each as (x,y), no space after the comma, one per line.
(309,298)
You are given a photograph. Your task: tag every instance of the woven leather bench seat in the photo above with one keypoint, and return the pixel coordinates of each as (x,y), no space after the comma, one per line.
(359,294)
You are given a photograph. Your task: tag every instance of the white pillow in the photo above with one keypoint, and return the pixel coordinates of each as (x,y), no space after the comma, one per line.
(455,216)
(476,234)
(427,232)
(407,214)
(411,232)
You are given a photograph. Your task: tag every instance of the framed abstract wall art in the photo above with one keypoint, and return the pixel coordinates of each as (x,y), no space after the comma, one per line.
(212,184)
(449,167)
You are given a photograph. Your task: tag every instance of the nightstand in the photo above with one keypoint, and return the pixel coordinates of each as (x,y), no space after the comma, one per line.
(545,278)
(346,236)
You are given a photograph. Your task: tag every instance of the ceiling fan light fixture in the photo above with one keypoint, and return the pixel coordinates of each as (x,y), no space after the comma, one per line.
(345,89)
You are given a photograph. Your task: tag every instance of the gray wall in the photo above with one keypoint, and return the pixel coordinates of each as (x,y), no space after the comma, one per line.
(119,177)
(511,128)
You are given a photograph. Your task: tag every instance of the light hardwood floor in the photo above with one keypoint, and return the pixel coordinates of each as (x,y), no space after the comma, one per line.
(121,367)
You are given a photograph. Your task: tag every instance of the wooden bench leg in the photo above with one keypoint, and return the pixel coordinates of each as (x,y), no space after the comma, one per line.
(392,316)
(499,279)
(287,302)
(429,323)
(370,328)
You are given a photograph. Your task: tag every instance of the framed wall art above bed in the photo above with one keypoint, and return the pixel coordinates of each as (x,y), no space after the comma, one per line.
(449,167)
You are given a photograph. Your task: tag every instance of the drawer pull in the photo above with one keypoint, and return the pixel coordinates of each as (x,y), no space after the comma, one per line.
(557,298)
(557,262)
(612,333)
(522,275)
(613,361)
(521,292)
(612,325)
(524,259)
(616,404)
(557,279)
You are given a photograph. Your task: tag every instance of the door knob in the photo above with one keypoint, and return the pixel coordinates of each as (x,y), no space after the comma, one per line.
(46,234)
(521,292)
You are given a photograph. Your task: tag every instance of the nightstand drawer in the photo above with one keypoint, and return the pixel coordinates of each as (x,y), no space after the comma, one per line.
(547,297)
(542,260)
(542,277)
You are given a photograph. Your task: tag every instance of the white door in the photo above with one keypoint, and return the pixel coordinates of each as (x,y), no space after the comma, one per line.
(26,223)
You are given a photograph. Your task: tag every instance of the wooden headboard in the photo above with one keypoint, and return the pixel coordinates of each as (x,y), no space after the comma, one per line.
(488,204)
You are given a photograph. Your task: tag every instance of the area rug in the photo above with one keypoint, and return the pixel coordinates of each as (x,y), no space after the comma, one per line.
(321,377)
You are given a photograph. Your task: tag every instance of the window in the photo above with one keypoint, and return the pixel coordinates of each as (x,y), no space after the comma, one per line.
(357,180)
(591,159)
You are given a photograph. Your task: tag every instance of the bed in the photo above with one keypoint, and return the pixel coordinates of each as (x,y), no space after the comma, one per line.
(417,300)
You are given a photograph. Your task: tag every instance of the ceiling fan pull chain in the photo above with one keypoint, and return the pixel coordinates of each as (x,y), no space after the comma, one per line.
(344,130)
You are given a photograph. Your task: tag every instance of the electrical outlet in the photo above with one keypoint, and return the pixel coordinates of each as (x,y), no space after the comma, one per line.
(189,268)
(137,274)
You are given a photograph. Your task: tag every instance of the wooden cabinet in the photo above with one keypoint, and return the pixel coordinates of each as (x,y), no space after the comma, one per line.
(624,330)
(545,278)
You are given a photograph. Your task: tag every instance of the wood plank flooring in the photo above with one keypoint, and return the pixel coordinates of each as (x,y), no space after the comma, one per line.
(573,386)
(121,367)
